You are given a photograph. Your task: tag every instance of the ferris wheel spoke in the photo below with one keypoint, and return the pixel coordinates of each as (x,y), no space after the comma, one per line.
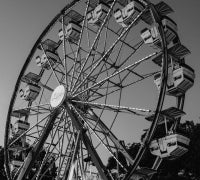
(48,168)
(109,50)
(64,52)
(118,35)
(101,71)
(69,152)
(79,44)
(68,148)
(53,71)
(116,73)
(100,54)
(99,95)
(117,85)
(47,153)
(94,78)
(45,86)
(74,156)
(35,108)
(136,48)
(95,41)
(124,109)
(123,41)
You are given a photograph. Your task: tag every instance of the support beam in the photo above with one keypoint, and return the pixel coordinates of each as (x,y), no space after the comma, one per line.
(91,150)
(33,154)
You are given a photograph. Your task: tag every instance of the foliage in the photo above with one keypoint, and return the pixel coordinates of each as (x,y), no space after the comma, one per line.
(186,167)
(2,171)
(49,169)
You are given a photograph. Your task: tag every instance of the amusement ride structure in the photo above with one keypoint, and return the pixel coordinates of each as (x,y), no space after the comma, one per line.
(99,69)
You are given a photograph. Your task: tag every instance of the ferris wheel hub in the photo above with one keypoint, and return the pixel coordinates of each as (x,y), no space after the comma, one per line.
(58,96)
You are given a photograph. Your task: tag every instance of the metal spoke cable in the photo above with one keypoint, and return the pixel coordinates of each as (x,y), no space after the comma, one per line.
(109,50)
(95,41)
(79,44)
(116,108)
(116,73)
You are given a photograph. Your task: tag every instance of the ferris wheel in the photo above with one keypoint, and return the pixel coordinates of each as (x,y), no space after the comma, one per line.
(100,72)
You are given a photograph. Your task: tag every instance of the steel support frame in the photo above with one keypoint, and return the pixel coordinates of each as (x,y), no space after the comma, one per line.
(33,154)
(91,150)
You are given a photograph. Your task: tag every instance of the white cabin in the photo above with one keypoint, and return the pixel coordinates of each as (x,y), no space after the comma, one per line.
(127,14)
(90,177)
(170,79)
(15,164)
(171,146)
(97,16)
(72,32)
(157,80)
(142,173)
(61,34)
(118,17)
(21,126)
(47,60)
(181,79)
(151,36)
(90,17)
(30,92)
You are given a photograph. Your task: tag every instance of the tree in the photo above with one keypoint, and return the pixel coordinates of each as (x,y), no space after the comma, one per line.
(186,167)
(49,169)
(2,170)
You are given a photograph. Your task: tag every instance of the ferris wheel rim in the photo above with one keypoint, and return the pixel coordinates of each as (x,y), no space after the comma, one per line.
(26,64)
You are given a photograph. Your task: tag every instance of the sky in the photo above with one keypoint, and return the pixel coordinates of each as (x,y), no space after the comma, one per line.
(22,21)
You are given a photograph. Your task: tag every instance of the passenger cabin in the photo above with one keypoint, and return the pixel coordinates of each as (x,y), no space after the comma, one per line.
(175,54)
(72,32)
(47,60)
(183,79)
(167,115)
(171,146)
(30,92)
(72,26)
(179,82)
(21,126)
(127,14)
(15,164)
(98,14)
(18,145)
(49,45)
(180,76)
(20,113)
(151,36)
(170,28)
(49,56)
(143,173)
(162,8)
(31,78)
